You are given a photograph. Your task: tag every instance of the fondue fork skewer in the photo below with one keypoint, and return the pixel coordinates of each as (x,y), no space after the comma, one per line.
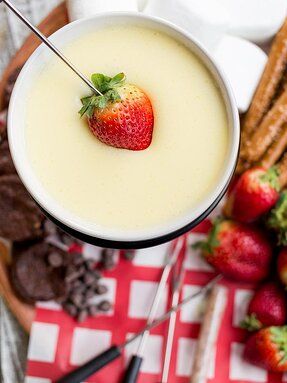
(49,44)
(114,352)
(134,366)
(177,284)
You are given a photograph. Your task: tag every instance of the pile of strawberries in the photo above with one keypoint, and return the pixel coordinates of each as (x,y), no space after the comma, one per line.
(249,244)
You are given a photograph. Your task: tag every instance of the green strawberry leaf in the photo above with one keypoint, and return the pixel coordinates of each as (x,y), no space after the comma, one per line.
(277,219)
(107,86)
(251,323)
(272,178)
(100,81)
(279,337)
(212,241)
(117,79)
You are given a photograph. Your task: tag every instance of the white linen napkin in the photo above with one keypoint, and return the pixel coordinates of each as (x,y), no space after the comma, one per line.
(216,24)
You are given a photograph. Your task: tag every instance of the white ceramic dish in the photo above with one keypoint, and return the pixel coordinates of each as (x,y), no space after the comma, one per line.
(73,224)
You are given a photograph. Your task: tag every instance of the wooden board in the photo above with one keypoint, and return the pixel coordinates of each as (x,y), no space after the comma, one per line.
(55,20)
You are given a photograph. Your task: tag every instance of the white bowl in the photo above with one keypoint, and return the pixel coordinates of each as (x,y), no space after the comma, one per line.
(73,224)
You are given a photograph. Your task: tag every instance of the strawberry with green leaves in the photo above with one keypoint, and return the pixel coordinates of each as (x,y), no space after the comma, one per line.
(254,194)
(277,219)
(123,116)
(267,348)
(239,251)
(266,308)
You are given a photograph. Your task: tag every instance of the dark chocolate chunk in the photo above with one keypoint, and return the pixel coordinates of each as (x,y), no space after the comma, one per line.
(104,306)
(20,217)
(32,278)
(101,289)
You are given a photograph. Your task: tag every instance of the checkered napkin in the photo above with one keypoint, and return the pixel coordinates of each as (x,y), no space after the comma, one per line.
(58,344)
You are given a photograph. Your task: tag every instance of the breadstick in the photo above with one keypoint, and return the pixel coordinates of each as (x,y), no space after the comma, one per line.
(268,84)
(282,169)
(208,334)
(275,150)
(266,131)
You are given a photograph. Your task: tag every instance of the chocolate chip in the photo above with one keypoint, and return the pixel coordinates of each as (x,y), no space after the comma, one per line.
(93,311)
(107,253)
(70,309)
(80,289)
(104,306)
(89,264)
(89,278)
(73,273)
(77,299)
(55,259)
(82,316)
(97,274)
(89,293)
(101,289)
(76,283)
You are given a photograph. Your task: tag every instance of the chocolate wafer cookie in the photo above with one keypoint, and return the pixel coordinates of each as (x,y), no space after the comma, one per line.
(20,217)
(33,278)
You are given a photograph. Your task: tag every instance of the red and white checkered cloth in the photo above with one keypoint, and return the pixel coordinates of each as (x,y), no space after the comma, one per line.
(58,344)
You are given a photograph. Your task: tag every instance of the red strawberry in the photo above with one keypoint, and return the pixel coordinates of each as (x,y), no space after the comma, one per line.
(266,308)
(239,251)
(267,348)
(277,219)
(254,194)
(123,116)
(282,266)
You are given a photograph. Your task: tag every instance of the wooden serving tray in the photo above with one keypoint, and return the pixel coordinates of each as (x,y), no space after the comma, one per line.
(54,21)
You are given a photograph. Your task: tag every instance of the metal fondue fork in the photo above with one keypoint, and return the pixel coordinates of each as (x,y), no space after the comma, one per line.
(177,284)
(49,44)
(134,366)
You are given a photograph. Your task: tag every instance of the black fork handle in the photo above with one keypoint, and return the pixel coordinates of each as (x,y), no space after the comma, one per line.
(82,373)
